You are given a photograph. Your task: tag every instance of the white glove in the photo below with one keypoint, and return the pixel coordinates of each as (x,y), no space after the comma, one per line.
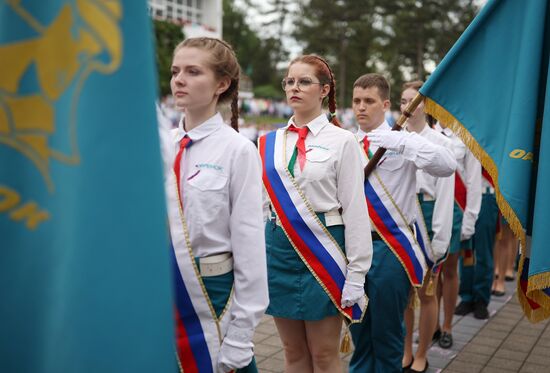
(352,293)
(391,140)
(465,236)
(234,355)
(466,232)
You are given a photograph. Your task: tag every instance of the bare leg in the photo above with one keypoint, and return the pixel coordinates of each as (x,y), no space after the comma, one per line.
(409,325)
(426,327)
(323,339)
(501,260)
(512,253)
(294,338)
(450,290)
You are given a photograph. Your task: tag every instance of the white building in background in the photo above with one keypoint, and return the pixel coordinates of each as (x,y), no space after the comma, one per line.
(197,17)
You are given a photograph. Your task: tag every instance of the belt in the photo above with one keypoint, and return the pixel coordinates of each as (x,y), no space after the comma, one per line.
(425,197)
(332,217)
(215,265)
(488,190)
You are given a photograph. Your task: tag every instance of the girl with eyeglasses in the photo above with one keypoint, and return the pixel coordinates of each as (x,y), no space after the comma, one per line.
(214,193)
(318,239)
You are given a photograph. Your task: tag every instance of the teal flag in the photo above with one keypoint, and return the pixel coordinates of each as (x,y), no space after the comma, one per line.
(491,89)
(84,270)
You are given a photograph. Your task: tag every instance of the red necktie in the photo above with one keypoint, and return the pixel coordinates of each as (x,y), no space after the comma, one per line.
(366,145)
(300,144)
(184,143)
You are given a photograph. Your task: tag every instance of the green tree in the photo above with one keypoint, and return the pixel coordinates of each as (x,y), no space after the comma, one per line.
(258,57)
(394,37)
(415,32)
(342,33)
(167,36)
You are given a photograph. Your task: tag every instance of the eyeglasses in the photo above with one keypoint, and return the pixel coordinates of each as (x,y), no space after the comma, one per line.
(302,83)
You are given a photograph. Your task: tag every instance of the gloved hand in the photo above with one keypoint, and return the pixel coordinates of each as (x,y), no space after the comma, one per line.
(352,293)
(467,231)
(233,355)
(391,140)
(465,236)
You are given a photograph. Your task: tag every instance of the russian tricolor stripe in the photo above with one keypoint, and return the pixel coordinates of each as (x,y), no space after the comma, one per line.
(192,348)
(313,243)
(384,217)
(460,191)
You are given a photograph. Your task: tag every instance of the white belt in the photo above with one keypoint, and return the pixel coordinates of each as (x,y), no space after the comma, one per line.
(426,197)
(332,217)
(216,265)
(488,190)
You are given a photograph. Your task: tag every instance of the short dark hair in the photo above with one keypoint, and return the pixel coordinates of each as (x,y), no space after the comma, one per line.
(415,84)
(374,80)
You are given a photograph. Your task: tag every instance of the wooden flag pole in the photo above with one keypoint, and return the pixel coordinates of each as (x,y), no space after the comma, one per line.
(398,126)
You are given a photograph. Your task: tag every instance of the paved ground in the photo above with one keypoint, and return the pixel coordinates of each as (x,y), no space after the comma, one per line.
(507,342)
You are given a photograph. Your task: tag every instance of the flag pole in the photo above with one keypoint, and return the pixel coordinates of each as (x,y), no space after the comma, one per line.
(398,126)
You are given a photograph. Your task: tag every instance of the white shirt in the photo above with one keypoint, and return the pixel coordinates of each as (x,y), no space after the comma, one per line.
(442,190)
(469,170)
(332,179)
(222,203)
(398,171)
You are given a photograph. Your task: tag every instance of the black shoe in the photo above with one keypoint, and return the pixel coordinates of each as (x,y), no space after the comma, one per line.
(480,310)
(509,278)
(436,336)
(420,371)
(407,368)
(498,293)
(464,308)
(446,340)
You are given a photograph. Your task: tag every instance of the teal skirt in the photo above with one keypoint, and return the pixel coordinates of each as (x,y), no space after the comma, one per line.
(219,291)
(293,291)
(455,244)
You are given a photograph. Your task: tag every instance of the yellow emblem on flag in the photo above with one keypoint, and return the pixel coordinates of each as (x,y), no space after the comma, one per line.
(84,37)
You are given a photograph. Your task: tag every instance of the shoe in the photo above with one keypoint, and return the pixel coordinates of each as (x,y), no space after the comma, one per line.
(480,310)
(509,278)
(437,335)
(446,340)
(464,308)
(407,368)
(498,293)
(420,371)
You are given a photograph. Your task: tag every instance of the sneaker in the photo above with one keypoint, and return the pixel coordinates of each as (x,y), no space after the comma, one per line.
(480,310)
(446,340)
(464,308)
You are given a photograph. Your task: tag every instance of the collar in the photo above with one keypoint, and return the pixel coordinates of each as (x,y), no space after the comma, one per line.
(384,126)
(203,130)
(448,132)
(315,126)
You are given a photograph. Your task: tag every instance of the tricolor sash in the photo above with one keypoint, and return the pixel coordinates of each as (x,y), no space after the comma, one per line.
(309,237)
(199,332)
(461,191)
(390,223)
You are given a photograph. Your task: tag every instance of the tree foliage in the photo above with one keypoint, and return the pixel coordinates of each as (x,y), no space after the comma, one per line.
(167,36)
(393,37)
(257,56)
(402,39)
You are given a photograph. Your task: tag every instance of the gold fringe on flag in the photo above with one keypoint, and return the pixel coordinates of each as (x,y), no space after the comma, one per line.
(536,282)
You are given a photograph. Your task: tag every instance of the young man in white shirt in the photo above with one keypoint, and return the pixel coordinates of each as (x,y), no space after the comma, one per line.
(379,338)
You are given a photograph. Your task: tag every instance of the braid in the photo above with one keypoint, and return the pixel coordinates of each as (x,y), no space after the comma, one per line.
(331,94)
(235,111)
